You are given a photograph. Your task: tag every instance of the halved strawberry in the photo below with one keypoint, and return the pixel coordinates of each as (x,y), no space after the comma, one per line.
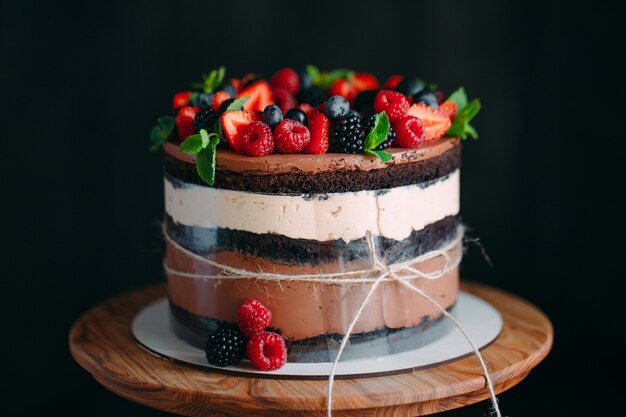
(181,99)
(436,123)
(184,121)
(234,124)
(219,97)
(351,87)
(307,109)
(260,95)
(319,125)
(448,108)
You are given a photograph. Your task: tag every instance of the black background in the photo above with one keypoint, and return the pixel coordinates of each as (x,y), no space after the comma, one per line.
(83,83)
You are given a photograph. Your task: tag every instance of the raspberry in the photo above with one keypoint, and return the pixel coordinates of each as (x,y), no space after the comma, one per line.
(184,121)
(410,131)
(225,346)
(285,100)
(253,317)
(291,136)
(391,102)
(258,139)
(287,79)
(267,351)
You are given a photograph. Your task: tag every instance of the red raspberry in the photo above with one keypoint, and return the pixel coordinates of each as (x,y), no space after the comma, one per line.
(291,136)
(253,317)
(391,102)
(184,121)
(411,132)
(267,351)
(287,79)
(284,99)
(181,99)
(258,139)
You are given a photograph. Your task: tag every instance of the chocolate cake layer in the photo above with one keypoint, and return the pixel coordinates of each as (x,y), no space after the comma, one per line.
(327,182)
(284,250)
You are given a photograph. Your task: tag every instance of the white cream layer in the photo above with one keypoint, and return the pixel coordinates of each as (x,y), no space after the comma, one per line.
(392,213)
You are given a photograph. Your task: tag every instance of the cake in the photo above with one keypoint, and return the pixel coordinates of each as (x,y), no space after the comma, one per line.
(279,191)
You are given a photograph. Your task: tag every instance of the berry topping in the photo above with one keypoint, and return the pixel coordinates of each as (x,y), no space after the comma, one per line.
(205,119)
(291,136)
(284,99)
(267,351)
(234,124)
(436,124)
(258,140)
(369,124)
(409,87)
(319,125)
(336,106)
(253,316)
(346,134)
(297,115)
(426,97)
(307,109)
(259,94)
(448,108)
(364,102)
(353,85)
(287,79)
(411,132)
(202,100)
(225,346)
(391,102)
(184,121)
(218,99)
(392,82)
(181,99)
(272,115)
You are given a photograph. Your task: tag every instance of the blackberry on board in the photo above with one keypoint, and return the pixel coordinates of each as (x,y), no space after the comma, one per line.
(347,134)
(368,125)
(225,346)
(205,119)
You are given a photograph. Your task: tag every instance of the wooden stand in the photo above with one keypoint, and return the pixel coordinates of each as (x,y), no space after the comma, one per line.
(101,342)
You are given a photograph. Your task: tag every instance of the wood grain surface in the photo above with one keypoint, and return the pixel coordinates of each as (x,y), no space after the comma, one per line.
(101,342)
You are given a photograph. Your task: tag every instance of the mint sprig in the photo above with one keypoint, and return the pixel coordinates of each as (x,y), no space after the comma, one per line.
(467,110)
(377,136)
(324,79)
(212,80)
(237,105)
(161,131)
(203,145)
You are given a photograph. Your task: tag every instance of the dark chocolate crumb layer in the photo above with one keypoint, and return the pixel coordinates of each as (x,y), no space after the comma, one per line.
(327,182)
(285,250)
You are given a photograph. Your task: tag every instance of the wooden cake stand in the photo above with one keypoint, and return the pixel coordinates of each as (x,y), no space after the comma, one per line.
(101,342)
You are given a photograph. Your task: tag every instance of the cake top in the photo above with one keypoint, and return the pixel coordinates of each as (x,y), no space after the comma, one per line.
(250,119)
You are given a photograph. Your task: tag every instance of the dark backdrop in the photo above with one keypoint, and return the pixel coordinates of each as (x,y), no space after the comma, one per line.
(82,84)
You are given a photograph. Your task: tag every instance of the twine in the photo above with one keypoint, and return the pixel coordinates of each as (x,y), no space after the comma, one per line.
(399,272)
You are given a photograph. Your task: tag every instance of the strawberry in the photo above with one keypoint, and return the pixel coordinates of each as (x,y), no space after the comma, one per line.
(436,123)
(319,125)
(351,87)
(391,102)
(184,121)
(393,81)
(307,109)
(448,108)
(218,99)
(181,99)
(284,99)
(410,132)
(287,79)
(259,93)
(234,124)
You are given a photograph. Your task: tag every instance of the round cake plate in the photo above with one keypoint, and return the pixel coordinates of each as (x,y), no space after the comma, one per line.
(101,341)
(482,322)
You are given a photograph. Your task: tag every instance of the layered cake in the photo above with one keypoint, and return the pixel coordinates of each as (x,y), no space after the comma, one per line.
(299,193)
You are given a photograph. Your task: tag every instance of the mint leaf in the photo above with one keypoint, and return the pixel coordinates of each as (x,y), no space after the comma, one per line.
(459,97)
(237,104)
(460,125)
(314,73)
(205,161)
(383,155)
(379,133)
(161,131)
(472,109)
(211,81)
(195,143)
(469,129)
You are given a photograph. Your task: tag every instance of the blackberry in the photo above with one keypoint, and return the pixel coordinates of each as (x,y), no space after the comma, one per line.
(368,125)
(347,134)
(225,346)
(312,95)
(205,119)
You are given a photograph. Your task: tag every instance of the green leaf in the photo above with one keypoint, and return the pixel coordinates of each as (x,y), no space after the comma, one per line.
(161,131)
(195,143)
(459,97)
(314,73)
(460,125)
(472,109)
(379,133)
(469,129)
(237,104)
(205,161)
(211,81)
(383,155)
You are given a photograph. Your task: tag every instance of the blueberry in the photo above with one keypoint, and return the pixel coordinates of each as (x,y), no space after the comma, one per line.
(229,88)
(364,102)
(272,115)
(336,106)
(426,97)
(297,115)
(305,80)
(203,100)
(354,113)
(224,105)
(409,87)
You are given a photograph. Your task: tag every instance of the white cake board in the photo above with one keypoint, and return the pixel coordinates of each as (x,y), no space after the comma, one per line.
(482,321)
